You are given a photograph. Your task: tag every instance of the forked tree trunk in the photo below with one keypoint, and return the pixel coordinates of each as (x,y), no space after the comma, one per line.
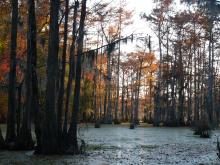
(24,140)
(72,68)
(72,133)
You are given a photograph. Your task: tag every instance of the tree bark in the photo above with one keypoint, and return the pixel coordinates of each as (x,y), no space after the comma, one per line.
(62,75)
(32,52)
(138,79)
(18,113)
(72,133)
(10,134)
(2,141)
(72,68)
(210,80)
(25,140)
(109,86)
(95,92)
(50,132)
(123,97)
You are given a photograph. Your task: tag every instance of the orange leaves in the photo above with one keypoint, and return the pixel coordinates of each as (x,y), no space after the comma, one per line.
(150,63)
(150,57)
(154,67)
(148,60)
(22,46)
(89,76)
(112,31)
(4,68)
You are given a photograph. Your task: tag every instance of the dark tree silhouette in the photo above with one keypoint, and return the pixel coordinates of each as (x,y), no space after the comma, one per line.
(10,135)
(50,132)
(24,140)
(72,133)
(62,74)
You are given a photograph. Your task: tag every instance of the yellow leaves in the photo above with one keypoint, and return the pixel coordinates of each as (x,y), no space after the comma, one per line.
(151,78)
(1,46)
(88,112)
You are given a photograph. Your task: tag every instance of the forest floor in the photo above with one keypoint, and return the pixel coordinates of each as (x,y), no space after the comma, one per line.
(115,145)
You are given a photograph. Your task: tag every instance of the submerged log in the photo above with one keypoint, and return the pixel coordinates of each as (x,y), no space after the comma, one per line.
(203,128)
(132,126)
(117,122)
(97,124)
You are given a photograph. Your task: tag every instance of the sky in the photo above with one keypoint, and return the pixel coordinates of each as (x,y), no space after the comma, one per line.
(140,6)
(139,25)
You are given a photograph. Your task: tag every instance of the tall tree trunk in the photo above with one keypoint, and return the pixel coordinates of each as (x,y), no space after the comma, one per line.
(210,80)
(2,141)
(157,100)
(181,87)
(72,133)
(138,79)
(62,75)
(95,91)
(150,96)
(50,132)
(118,72)
(34,80)
(105,102)
(10,134)
(100,85)
(133,88)
(72,68)
(25,140)
(126,103)
(109,88)
(189,114)
(123,97)
(18,113)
